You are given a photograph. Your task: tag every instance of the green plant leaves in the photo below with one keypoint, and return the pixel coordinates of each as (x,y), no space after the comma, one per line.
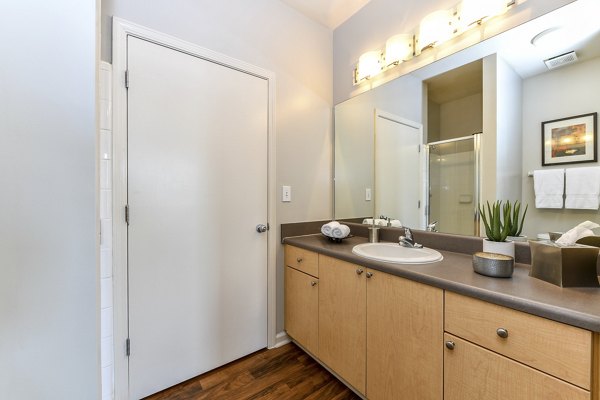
(502,220)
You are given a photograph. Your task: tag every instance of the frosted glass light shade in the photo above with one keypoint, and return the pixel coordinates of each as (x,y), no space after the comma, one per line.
(369,64)
(435,28)
(398,48)
(473,11)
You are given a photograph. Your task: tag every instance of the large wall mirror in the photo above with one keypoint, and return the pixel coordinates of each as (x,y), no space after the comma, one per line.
(433,144)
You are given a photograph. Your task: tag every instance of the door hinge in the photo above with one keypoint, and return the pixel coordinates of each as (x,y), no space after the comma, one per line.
(128,347)
(419,148)
(127,79)
(127,214)
(419,204)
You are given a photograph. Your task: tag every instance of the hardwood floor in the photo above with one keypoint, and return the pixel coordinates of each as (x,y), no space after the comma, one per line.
(286,373)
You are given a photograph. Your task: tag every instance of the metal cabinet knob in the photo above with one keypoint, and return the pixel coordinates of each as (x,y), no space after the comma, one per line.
(299,259)
(503,333)
(313,283)
(369,274)
(359,271)
(450,345)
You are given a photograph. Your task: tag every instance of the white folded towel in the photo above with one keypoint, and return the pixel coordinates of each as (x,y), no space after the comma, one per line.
(328,227)
(396,223)
(340,232)
(549,186)
(583,188)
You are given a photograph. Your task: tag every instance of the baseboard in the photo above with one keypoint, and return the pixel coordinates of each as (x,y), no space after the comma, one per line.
(281,338)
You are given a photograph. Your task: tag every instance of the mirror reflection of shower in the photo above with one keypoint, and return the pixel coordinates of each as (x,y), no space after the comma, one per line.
(453,184)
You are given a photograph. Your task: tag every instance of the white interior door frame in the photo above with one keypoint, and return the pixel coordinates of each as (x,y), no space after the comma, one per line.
(121,30)
(422,159)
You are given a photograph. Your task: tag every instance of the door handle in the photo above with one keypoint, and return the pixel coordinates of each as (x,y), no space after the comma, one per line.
(262,228)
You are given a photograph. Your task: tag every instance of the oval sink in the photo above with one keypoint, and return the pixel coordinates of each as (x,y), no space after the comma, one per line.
(394,253)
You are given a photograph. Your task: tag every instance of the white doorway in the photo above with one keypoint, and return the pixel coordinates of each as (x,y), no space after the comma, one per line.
(399,169)
(196,157)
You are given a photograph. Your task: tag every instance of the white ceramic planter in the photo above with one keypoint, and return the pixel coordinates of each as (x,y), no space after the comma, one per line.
(506,248)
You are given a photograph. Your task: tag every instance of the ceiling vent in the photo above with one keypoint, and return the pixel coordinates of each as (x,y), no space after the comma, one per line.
(561,61)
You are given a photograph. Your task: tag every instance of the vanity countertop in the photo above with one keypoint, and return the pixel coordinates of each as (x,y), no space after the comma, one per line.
(574,306)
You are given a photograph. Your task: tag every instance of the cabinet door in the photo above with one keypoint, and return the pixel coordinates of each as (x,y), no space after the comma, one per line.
(301,308)
(404,329)
(342,319)
(474,373)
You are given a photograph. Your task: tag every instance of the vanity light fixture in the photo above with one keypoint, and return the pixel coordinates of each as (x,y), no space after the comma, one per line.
(398,48)
(435,28)
(369,65)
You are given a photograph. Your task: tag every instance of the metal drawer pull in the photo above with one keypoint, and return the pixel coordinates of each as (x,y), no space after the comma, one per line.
(299,259)
(369,274)
(503,333)
(359,271)
(313,283)
(450,345)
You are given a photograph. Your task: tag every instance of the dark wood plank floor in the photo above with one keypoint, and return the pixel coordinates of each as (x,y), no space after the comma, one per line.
(286,373)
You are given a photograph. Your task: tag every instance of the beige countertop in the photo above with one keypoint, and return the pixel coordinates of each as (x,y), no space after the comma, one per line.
(574,306)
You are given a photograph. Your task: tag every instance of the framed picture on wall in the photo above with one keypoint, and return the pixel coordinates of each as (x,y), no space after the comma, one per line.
(570,140)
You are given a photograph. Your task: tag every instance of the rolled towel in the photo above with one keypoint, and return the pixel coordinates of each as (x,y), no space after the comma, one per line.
(340,232)
(328,227)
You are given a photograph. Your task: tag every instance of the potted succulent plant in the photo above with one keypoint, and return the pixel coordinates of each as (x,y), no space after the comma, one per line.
(497,222)
(515,221)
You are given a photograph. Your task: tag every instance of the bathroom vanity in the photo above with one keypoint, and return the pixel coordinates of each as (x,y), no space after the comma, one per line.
(439,330)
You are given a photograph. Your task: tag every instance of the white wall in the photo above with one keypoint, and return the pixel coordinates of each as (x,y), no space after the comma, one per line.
(268,34)
(461,117)
(501,151)
(49,309)
(379,19)
(564,92)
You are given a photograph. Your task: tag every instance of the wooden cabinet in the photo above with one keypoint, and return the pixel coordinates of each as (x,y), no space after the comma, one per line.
(474,373)
(511,354)
(404,331)
(342,319)
(386,337)
(302,299)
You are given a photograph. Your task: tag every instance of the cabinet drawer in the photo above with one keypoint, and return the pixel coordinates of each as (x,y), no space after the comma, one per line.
(474,373)
(558,349)
(302,260)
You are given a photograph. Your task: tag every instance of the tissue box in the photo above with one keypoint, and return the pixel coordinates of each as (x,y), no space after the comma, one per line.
(572,266)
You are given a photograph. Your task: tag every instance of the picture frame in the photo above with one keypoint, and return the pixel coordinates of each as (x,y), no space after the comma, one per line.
(570,140)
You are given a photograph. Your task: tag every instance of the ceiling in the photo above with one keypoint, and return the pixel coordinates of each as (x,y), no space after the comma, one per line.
(330,13)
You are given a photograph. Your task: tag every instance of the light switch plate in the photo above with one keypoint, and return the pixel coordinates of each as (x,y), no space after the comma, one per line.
(368,194)
(286,193)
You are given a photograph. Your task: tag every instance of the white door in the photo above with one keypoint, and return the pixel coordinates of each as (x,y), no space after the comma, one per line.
(197,188)
(398,170)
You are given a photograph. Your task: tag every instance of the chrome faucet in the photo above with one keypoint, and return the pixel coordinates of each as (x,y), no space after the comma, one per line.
(432,227)
(408,241)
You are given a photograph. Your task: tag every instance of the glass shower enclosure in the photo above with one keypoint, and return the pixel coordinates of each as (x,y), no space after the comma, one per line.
(453,184)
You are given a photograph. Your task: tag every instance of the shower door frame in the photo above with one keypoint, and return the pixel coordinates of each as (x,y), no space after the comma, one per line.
(476,137)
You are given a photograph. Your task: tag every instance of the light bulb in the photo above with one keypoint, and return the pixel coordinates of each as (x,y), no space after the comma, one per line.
(473,11)
(435,28)
(398,48)
(369,65)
